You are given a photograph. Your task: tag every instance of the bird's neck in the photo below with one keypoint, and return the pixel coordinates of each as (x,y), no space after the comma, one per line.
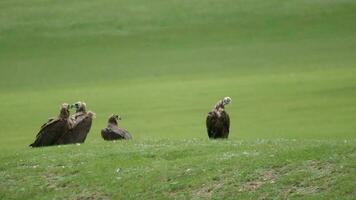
(219,105)
(63,115)
(113,122)
(219,111)
(81,110)
(80,113)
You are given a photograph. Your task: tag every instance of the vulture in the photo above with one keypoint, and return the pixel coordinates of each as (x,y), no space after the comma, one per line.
(218,121)
(113,132)
(54,129)
(82,121)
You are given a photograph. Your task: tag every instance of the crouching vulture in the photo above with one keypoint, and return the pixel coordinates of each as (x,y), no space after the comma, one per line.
(218,121)
(113,132)
(82,121)
(54,129)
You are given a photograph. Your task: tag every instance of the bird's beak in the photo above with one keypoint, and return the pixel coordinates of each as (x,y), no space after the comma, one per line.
(72,106)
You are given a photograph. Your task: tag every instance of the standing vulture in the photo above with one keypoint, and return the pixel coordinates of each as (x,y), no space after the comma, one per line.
(54,129)
(82,123)
(218,121)
(113,132)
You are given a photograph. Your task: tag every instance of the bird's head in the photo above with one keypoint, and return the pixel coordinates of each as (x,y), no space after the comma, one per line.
(114,118)
(80,106)
(227,100)
(64,112)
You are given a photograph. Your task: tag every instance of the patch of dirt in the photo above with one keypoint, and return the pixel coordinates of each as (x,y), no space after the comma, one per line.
(299,191)
(266,177)
(309,185)
(206,191)
(88,195)
(57,181)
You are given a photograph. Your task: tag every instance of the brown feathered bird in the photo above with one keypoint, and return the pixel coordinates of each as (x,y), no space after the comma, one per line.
(82,123)
(54,129)
(218,121)
(113,132)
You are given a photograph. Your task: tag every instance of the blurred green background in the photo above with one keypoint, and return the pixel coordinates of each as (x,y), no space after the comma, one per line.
(289,66)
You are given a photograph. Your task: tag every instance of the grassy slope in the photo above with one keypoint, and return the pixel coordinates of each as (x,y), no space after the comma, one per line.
(167,169)
(289,67)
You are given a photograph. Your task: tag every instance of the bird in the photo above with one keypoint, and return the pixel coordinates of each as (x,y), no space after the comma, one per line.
(113,132)
(218,120)
(82,121)
(54,128)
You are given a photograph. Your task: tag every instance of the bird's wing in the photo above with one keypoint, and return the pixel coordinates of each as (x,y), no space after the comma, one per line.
(126,135)
(226,121)
(210,121)
(49,121)
(118,132)
(110,133)
(115,133)
(50,132)
(81,128)
(104,133)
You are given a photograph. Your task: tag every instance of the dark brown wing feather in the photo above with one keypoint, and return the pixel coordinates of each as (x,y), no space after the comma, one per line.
(225,123)
(210,124)
(115,133)
(79,131)
(81,128)
(49,121)
(51,132)
(218,127)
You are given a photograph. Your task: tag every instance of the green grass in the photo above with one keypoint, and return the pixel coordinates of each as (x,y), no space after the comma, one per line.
(289,67)
(187,169)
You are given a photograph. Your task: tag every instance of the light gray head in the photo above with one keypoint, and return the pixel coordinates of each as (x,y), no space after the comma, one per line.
(117,117)
(227,100)
(79,106)
(114,118)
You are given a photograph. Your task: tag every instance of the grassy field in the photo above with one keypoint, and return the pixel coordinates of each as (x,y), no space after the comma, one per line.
(289,66)
(190,169)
